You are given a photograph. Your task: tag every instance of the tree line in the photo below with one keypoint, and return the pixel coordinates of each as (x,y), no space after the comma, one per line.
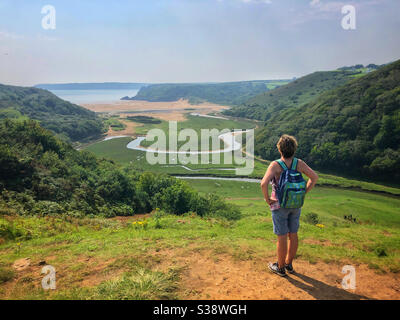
(41,174)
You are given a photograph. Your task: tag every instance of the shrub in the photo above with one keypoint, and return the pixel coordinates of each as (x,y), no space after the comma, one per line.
(380,252)
(157,218)
(178,198)
(10,230)
(44,208)
(144,119)
(219,208)
(5,230)
(6,275)
(312,218)
(51,178)
(350,218)
(142,284)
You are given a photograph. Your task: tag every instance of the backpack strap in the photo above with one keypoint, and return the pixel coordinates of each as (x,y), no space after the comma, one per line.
(294,164)
(282,164)
(284,167)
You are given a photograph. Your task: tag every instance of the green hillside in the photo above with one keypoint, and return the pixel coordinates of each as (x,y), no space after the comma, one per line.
(297,92)
(69,121)
(226,93)
(42,175)
(354,128)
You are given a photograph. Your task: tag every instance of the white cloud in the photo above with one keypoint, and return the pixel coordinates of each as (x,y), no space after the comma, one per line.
(252,1)
(45,38)
(314,3)
(331,6)
(334,6)
(9,35)
(257,1)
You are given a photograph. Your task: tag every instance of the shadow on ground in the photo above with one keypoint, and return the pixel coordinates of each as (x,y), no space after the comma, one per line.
(322,291)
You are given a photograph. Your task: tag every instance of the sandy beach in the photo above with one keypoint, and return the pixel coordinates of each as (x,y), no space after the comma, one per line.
(168,111)
(174,110)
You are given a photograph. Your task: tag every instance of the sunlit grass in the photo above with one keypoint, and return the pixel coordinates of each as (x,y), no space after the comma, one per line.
(121,253)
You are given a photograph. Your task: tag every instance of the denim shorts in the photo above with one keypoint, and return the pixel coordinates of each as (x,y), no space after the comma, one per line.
(286,220)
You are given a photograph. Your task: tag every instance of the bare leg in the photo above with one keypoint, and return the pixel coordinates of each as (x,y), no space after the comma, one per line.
(282,250)
(293,244)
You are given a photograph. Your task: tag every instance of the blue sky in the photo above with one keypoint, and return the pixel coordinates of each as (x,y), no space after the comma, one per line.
(190,40)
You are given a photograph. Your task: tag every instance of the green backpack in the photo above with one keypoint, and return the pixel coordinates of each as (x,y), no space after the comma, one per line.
(292,186)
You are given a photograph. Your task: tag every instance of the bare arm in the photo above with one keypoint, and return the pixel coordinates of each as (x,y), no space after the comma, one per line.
(304,168)
(269,174)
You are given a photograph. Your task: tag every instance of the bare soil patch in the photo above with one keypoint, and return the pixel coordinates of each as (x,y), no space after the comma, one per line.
(209,276)
(206,274)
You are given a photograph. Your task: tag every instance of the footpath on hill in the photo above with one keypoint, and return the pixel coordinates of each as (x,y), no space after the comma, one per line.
(206,275)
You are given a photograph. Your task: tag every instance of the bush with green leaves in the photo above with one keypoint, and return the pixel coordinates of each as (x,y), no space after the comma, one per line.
(45,176)
(312,218)
(6,274)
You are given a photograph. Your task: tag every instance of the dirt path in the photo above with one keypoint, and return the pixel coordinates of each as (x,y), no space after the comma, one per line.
(207,275)
(210,274)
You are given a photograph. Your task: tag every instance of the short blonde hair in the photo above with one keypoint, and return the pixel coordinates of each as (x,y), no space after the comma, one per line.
(287,145)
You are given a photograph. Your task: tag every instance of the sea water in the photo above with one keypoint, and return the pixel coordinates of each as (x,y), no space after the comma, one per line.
(94,96)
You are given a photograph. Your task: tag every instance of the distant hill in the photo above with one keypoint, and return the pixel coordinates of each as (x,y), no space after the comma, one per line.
(226,93)
(354,128)
(69,121)
(297,92)
(91,86)
(369,67)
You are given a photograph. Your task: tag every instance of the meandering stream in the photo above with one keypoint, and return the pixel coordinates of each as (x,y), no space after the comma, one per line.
(220,178)
(228,138)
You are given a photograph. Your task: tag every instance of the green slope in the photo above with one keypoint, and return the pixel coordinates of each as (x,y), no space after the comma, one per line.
(68,120)
(226,93)
(298,92)
(42,175)
(354,128)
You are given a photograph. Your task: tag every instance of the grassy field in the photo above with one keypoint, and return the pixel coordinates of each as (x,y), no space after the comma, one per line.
(163,256)
(116,150)
(197,123)
(99,258)
(114,124)
(376,219)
